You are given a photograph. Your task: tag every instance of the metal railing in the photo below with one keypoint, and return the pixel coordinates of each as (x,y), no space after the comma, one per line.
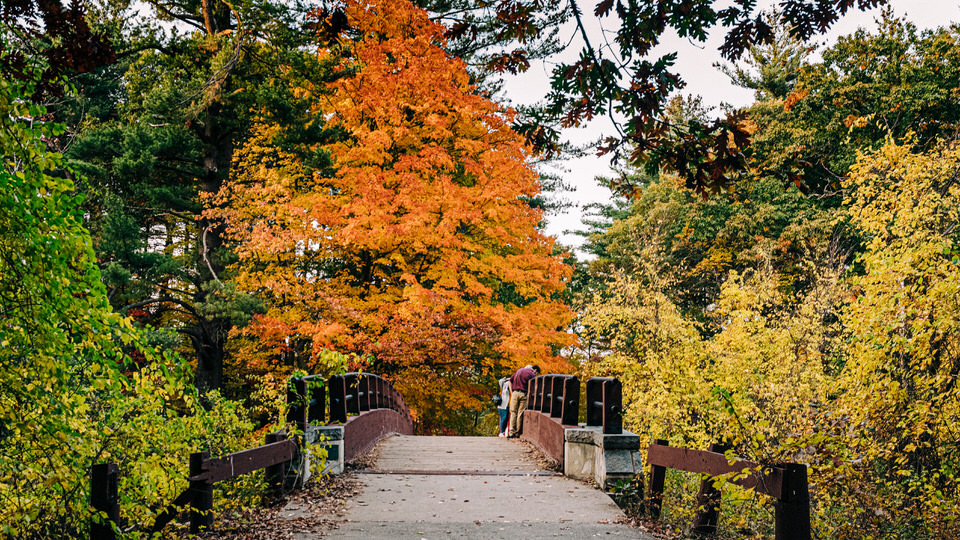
(558,396)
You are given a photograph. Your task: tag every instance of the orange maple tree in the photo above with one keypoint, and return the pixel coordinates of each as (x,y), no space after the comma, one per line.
(418,246)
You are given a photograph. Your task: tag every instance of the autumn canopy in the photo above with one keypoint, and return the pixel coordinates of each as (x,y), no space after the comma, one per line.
(418,244)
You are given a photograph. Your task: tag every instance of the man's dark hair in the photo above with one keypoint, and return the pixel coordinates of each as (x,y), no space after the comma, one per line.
(536,368)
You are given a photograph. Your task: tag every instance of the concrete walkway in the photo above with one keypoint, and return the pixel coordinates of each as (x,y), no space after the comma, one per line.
(473,487)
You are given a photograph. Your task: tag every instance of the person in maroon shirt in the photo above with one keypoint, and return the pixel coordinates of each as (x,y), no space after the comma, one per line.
(518,398)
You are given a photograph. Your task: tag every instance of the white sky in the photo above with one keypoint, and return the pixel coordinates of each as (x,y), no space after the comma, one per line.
(695,66)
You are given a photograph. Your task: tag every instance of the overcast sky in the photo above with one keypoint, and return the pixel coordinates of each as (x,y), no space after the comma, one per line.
(695,65)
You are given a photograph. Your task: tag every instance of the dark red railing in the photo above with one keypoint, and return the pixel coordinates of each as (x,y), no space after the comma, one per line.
(378,407)
(554,404)
(365,404)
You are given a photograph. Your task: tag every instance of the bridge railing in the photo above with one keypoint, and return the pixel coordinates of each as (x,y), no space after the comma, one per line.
(554,404)
(364,407)
(558,396)
(551,424)
(369,408)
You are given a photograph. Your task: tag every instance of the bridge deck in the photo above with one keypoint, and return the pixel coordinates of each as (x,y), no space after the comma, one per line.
(473,487)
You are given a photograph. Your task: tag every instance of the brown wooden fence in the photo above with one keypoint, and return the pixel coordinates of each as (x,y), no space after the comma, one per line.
(365,404)
(786,483)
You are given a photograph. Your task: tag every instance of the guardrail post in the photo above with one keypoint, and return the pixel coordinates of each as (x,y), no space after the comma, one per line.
(533,394)
(296,398)
(363,392)
(338,399)
(201,503)
(317,402)
(353,390)
(612,407)
(103,498)
(275,474)
(708,501)
(571,401)
(658,476)
(793,505)
(547,404)
(595,401)
(556,389)
(375,392)
(545,394)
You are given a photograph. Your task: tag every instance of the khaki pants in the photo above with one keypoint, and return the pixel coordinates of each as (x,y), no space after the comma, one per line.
(518,404)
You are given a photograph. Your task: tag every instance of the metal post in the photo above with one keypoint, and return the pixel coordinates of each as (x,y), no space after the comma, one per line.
(296,398)
(556,389)
(793,506)
(571,402)
(352,399)
(201,504)
(317,403)
(612,407)
(103,498)
(363,392)
(543,392)
(531,394)
(547,405)
(338,399)
(534,393)
(595,401)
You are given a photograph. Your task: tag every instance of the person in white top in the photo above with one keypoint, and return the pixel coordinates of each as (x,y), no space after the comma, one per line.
(504,406)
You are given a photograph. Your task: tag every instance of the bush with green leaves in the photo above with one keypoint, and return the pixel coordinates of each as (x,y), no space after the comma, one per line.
(70,393)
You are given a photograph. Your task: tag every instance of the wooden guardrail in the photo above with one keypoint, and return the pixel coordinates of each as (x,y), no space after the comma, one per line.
(786,483)
(362,395)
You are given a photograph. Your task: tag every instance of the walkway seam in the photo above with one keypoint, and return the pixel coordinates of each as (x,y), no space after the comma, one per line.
(458,473)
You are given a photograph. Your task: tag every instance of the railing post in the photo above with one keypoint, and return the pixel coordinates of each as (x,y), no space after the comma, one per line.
(353,390)
(338,399)
(534,393)
(708,501)
(543,391)
(547,404)
(531,394)
(793,505)
(612,407)
(201,503)
(275,474)
(571,402)
(317,402)
(363,392)
(658,476)
(103,499)
(375,402)
(595,401)
(296,398)
(556,389)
